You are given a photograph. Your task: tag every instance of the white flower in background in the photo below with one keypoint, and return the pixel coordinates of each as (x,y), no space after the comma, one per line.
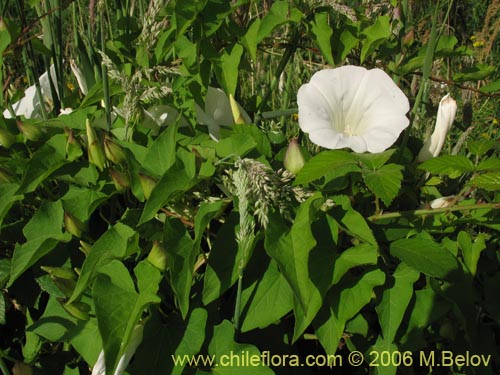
(218,112)
(442,202)
(135,340)
(445,117)
(29,106)
(352,107)
(80,78)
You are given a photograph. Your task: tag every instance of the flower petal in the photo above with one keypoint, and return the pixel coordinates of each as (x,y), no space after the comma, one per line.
(352,107)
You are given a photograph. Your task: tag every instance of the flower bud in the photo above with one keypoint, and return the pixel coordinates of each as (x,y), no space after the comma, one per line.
(442,202)
(158,256)
(3,26)
(85,247)
(113,151)
(445,117)
(67,286)
(148,183)
(121,180)
(73,225)
(95,150)
(294,161)
(79,310)
(409,38)
(73,149)
(235,109)
(6,138)
(60,272)
(30,131)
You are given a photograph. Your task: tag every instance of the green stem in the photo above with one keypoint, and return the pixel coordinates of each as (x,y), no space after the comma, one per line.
(289,51)
(104,72)
(3,367)
(424,87)
(433,211)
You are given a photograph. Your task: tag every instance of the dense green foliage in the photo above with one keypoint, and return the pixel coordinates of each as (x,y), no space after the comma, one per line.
(127,209)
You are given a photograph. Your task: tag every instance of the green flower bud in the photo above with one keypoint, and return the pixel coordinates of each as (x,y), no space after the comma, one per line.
(294,161)
(121,180)
(85,247)
(113,151)
(67,286)
(31,132)
(60,272)
(6,138)
(74,225)
(158,256)
(148,183)
(79,310)
(235,109)
(73,148)
(95,149)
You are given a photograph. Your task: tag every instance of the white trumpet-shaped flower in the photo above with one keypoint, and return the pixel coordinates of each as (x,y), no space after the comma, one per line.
(352,107)
(442,202)
(29,106)
(218,112)
(445,117)
(135,340)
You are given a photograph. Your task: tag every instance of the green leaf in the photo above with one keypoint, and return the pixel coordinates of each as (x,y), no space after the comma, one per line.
(117,316)
(169,338)
(44,161)
(471,251)
(474,73)
(481,146)
(360,255)
(395,300)
(43,233)
(322,33)
(385,182)
(81,202)
(161,153)
(174,181)
(86,341)
(267,300)
(275,17)
(2,309)
(55,324)
(188,52)
(222,266)
(375,35)
(450,165)
(488,181)
(226,68)
(426,256)
(206,212)
(235,145)
(250,39)
(384,346)
(262,143)
(9,197)
(375,161)
(186,12)
(116,243)
(328,164)
(307,268)
(343,303)
(490,164)
(352,220)
(223,344)
(181,256)
(491,87)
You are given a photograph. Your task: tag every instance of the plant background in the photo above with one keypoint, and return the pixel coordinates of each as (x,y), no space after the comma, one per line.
(136,220)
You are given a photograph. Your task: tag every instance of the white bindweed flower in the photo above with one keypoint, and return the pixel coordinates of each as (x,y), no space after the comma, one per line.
(29,106)
(135,340)
(442,202)
(352,107)
(218,112)
(445,117)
